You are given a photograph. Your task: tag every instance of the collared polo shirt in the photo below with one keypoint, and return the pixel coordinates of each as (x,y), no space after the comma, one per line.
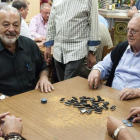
(19,72)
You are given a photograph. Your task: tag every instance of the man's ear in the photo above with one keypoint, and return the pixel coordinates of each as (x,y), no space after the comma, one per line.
(21,10)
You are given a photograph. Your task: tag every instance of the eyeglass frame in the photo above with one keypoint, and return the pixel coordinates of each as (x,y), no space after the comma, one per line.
(133,32)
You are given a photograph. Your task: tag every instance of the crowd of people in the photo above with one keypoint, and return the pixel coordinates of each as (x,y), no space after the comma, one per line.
(78,34)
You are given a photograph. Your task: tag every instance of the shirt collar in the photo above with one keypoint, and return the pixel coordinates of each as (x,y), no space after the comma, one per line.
(42,19)
(1,46)
(19,44)
(129,50)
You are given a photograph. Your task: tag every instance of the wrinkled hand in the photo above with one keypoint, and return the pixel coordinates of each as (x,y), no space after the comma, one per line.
(113,124)
(44,85)
(128,93)
(132,11)
(2,116)
(91,60)
(134,113)
(12,124)
(40,39)
(47,55)
(94,79)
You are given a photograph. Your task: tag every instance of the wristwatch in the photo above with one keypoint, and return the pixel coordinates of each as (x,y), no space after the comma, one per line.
(116,132)
(93,52)
(2,97)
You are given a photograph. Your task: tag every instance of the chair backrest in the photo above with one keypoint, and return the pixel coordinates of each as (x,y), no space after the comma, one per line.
(106,50)
(111,31)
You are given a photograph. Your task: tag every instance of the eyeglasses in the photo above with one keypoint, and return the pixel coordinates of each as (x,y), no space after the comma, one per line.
(132,31)
(46,13)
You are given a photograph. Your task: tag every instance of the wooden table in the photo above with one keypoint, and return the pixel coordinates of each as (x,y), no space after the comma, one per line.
(56,121)
(43,49)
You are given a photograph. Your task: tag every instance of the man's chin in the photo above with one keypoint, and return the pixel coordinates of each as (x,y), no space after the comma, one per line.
(130,42)
(9,41)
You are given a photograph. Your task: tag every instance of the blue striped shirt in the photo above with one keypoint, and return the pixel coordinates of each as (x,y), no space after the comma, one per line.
(127,73)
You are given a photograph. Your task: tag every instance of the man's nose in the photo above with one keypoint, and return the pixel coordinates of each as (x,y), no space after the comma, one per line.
(11,28)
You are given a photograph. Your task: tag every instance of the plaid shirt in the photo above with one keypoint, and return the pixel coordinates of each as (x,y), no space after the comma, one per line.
(72,29)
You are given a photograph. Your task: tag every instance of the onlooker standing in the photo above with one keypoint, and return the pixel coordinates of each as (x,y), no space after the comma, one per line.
(105,41)
(73,30)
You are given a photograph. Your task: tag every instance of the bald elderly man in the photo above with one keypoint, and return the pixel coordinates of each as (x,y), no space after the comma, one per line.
(121,67)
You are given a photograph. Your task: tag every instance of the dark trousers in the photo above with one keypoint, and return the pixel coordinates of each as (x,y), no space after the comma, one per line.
(69,70)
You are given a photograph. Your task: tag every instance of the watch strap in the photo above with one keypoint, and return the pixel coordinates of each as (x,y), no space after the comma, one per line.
(116,132)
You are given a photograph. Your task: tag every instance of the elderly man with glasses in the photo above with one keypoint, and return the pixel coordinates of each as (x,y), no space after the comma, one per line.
(122,66)
(39,22)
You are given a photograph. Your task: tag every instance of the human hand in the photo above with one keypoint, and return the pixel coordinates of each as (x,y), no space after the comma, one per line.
(2,116)
(47,55)
(91,60)
(132,11)
(44,84)
(134,113)
(112,124)
(128,93)
(43,38)
(94,79)
(12,124)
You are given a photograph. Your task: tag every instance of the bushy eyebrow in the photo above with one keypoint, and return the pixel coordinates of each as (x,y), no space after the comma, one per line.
(9,22)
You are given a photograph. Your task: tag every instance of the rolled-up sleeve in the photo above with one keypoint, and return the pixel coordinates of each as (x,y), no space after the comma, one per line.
(104,66)
(94,39)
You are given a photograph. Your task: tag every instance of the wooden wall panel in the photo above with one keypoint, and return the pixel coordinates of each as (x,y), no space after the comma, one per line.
(34,9)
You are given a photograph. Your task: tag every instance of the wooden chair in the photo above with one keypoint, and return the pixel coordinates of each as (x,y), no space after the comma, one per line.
(111,31)
(106,51)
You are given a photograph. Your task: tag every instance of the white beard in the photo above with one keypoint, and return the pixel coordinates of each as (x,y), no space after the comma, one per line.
(7,40)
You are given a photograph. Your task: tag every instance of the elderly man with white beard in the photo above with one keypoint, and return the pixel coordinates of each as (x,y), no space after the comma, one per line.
(22,67)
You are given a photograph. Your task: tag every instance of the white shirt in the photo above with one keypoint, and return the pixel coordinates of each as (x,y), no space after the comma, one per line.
(25,29)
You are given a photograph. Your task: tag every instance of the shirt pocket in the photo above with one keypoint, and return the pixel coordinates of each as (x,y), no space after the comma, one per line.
(31,72)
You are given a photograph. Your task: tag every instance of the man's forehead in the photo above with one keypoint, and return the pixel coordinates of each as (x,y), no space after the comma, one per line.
(46,8)
(8,15)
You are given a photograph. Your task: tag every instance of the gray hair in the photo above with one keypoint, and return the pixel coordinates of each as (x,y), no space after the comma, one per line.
(10,8)
(45,5)
(19,4)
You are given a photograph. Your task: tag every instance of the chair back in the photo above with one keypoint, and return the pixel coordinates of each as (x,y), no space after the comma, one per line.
(106,51)
(111,31)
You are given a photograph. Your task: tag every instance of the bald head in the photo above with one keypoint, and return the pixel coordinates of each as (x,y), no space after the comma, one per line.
(135,20)
(133,35)
(46,5)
